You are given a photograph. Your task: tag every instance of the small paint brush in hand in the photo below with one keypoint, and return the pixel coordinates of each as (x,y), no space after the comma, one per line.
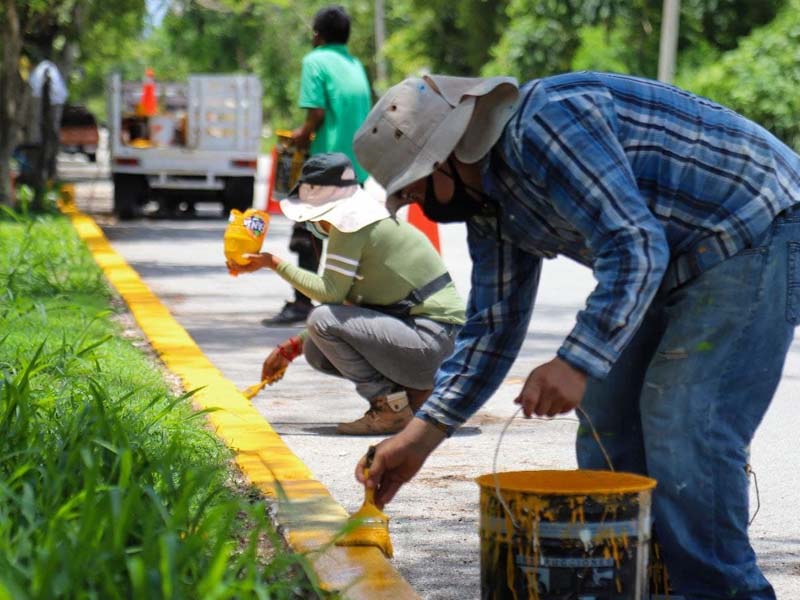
(370,525)
(251,391)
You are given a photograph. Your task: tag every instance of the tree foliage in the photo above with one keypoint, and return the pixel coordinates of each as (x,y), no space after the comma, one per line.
(442,36)
(64,32)
(524,38)
(264,37)
(761,77)
(544,37)
(756,75)
(270,37)
(106,41)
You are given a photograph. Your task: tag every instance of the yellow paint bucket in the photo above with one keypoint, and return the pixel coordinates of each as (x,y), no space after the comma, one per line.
(244,234)
(564,534)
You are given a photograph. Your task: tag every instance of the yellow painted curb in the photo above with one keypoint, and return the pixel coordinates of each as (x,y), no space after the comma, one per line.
(307,514)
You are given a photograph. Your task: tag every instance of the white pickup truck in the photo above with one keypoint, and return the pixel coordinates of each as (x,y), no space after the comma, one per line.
(202,144)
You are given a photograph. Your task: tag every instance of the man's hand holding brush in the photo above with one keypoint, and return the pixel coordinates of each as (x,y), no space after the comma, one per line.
(398,458)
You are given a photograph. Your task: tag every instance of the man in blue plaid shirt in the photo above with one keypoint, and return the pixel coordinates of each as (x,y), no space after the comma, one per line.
(686,213)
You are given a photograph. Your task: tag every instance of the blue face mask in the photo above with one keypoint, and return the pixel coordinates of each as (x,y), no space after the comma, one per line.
(316,230)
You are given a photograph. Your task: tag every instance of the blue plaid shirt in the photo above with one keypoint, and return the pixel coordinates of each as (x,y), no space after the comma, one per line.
(645,183)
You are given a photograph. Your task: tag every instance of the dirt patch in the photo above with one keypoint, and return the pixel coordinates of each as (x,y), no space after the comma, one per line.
(105,220)
(175,298)
(442,479)
(482,418)
(242,488)
(129,330)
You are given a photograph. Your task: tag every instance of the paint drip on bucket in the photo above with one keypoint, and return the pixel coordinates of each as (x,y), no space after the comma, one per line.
(564,534)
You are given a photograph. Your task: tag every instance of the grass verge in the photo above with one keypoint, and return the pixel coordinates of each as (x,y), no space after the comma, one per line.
(110,485)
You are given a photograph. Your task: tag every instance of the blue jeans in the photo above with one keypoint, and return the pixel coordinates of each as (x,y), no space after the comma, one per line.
(683,403)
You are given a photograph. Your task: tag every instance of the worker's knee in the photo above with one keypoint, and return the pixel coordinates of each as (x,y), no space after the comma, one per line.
(320,320)
(317,359)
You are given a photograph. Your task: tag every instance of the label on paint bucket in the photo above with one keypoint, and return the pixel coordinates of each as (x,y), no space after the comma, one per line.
(573,530)
(574,562)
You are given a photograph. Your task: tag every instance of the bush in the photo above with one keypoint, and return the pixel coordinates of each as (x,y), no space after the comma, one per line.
(761,78)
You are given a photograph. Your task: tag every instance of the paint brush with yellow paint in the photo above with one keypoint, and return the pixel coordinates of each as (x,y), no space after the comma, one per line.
(253,390)
(370,525)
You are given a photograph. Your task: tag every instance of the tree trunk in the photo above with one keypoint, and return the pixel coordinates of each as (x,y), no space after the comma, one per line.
(11,90)
(51,114)
(45,158)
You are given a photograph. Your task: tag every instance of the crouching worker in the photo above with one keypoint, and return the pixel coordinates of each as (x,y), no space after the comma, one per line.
(389,311)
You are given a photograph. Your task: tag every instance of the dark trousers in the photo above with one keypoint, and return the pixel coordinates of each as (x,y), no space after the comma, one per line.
(309,250)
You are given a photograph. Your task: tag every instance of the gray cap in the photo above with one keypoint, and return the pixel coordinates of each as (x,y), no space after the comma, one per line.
(330,168)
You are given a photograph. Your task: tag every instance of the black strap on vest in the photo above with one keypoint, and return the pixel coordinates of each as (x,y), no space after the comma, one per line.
(416,296)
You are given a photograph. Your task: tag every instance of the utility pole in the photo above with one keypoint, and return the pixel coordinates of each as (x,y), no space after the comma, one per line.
(668,47)
(380,36)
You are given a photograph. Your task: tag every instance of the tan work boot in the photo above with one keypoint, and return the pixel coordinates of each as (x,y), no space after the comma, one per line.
(387,414)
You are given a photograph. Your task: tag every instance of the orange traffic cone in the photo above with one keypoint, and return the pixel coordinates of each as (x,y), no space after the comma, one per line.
(148,105)
(273,205)
(418,219)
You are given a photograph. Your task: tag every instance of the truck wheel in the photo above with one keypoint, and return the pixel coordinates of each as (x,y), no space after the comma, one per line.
(130,194)
(238,193)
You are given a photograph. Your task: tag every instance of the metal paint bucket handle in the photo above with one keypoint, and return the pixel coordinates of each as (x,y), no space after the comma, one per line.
(497,452)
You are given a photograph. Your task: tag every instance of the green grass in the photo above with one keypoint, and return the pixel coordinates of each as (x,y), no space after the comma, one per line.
(110,485)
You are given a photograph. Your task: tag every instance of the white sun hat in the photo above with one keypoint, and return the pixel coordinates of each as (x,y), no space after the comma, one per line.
(328,190)
(418,123)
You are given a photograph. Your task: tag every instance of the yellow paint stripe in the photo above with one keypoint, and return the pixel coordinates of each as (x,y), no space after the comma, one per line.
(307,513)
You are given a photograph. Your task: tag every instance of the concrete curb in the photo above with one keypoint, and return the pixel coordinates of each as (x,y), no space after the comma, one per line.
(308,517)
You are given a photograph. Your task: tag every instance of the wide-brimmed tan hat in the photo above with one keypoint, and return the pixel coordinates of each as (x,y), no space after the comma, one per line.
(418,123)
(327,190)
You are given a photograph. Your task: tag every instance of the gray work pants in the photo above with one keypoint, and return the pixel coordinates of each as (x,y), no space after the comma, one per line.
(379,353)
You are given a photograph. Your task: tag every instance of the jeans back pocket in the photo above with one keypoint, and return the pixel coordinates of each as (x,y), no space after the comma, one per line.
(793,284)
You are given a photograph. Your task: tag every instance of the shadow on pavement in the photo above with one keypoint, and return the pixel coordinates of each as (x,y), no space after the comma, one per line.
(779,559)
(197,228)
(154,269)
(161,232)
(295,428)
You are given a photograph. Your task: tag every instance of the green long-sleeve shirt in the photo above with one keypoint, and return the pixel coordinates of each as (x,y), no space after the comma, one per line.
(379,264)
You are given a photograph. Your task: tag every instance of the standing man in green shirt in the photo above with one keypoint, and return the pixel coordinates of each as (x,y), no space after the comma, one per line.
(337,97)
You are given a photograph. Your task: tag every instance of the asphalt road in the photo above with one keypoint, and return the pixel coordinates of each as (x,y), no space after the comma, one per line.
(435,518)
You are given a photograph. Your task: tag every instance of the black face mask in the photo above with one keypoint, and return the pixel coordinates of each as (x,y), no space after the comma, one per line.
(465,203)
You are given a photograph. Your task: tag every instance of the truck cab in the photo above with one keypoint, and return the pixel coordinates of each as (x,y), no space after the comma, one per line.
(78,132)
(200,143)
